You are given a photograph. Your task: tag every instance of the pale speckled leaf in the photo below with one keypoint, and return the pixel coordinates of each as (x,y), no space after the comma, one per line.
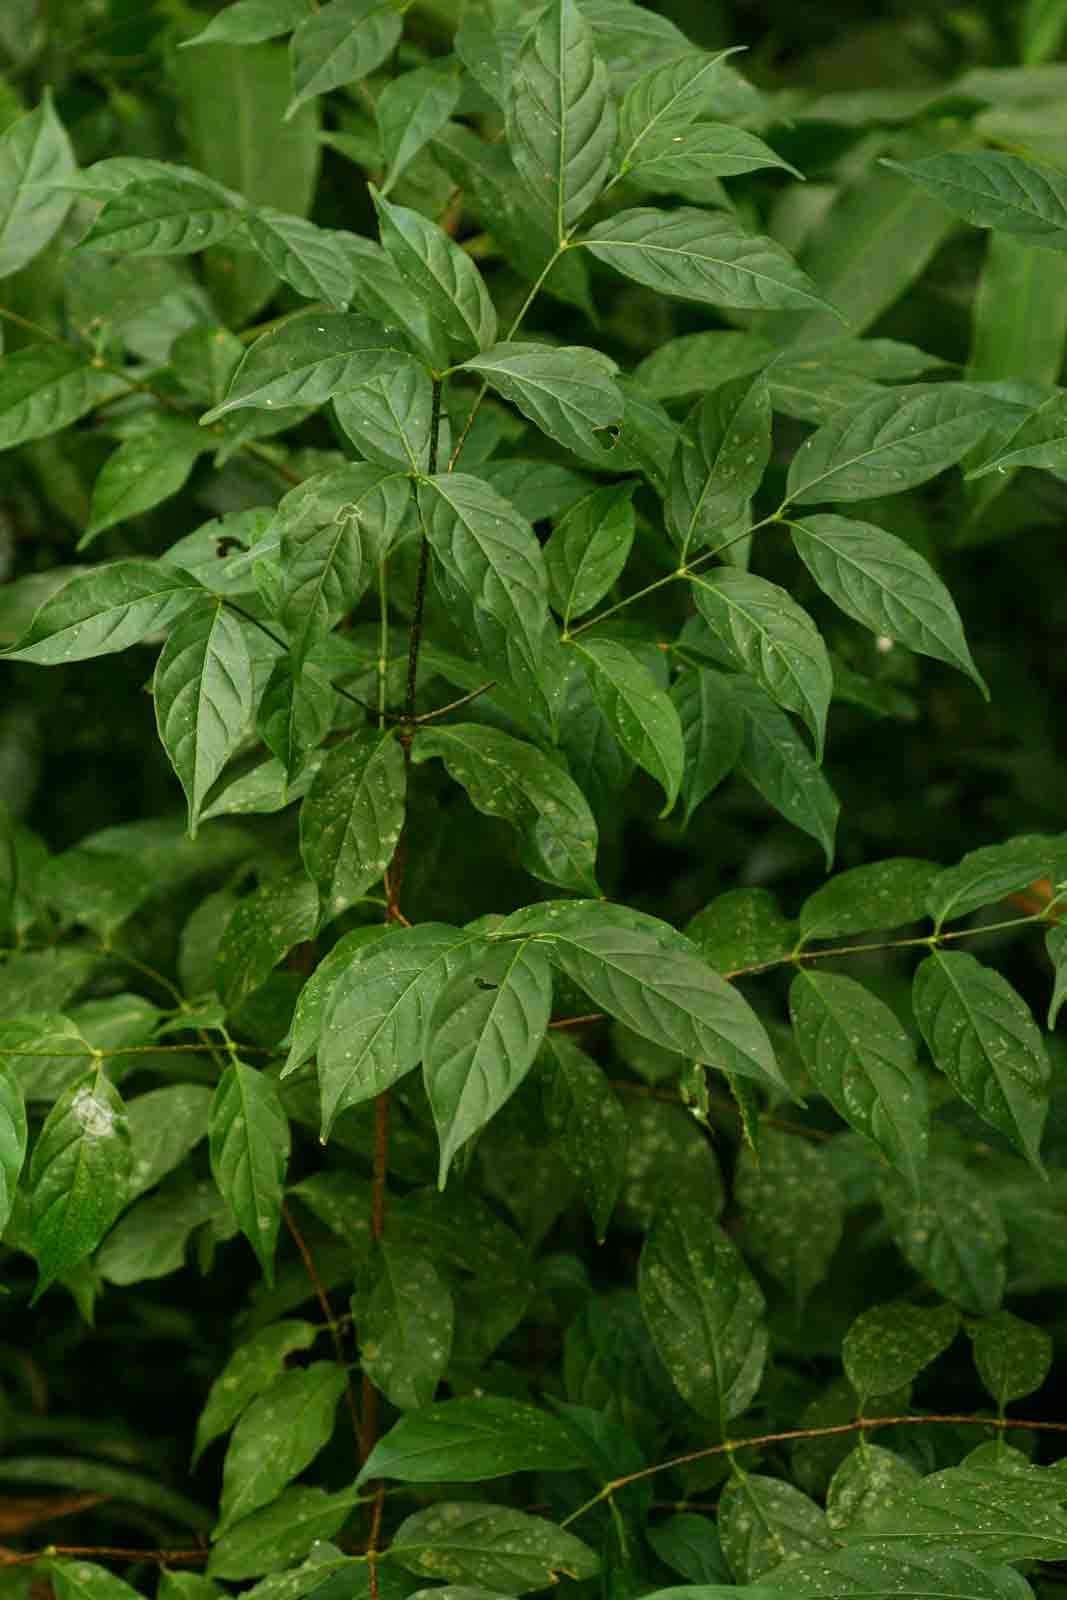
(312,1000)
(994,871)
(405,1326)
(743,928)
(953,1236)
(889,1345)
(281,1432)
(882,1572)
(468,1441)
(249,1142)
(165,1125)
(252,1368)
(883,894)
(869,1477)
(1017,1515)
(1013,1357)
(861,1059)
(280,1533)
(765,1521)
(983,1038)
(490,1546)
(149,1241)
(265,925)
(792,1210)
(704,1311)
(351,817)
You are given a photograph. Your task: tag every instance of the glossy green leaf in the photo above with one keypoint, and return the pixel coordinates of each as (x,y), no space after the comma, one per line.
(952,1235)
(992,189)
(146,469)
(46,387)
(698,255)
(491,1547)
(410,110)
(712,731)
(639,713)
(351,817)
(589,1124)
(469,1441)
(743,928)
(165,1125)
(376,1018)
(341,43)
(250,22)
(265,925)
(704,1311)
(202,689)
(389,418)
(868,1478)
(253,1367)
(589,547)
(318,522)
(507,778)
(883,894)
(486,1027)
(719,463)
(983,1038)
(894,442)
(883,1570)
(84,1580)
(764,1522)
(860,1058)
(165,216)
(882,582)
(79,1173)
(561,117)
(405,1326)
(313,997)
(249,1140)
(776,761)
(792,1209)
(889,1345)
(992,873)
(35,158)
(309,258)
(1039,441)
(280,1533)
(442,274)
(281,1432)
(307,360)
(296,714)
(105,609)
(664,102)
(995,1515)
(568,392)
(695,159)
(766,634)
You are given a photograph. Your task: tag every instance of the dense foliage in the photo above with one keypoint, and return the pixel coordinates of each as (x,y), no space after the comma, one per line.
(531,777)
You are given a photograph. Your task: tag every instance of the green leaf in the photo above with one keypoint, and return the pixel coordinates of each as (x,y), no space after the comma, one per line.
(410,111)
(307,360)
(1013,1357)
(713,732)
(696,255)
(639,713)
(868,1478)
(664,102)
(696,159)
(766,634)
(311,259)
(983,1038)
(776,761)
(105,609)
(704,1311)
(719,462)
(487,1026)
(442,274)
(319,521)
(280,1533)
(249,1138)
(342,42)
(150,1240)
(45,388)
(882,1571)
(889,1345)
(507,778)
(250,22)
(203,696)
(281,1432)
(351,817)
(311,1002)
(589,547)
(993,190)
(85,1581)
(253,1367)
(883,894)
(651,978)
(491,1547)
(13,1137)
(1019,287)
(881,582)
(389,418)
(953,1236)
(468,1441)
(79,1175)
(792,1209)
(743,928)
(165,1125)
(589,1124)
(1039,441)
(35,158)
(568,392)
(763,1522)
(376,1018)
(296,714)
(405,1326)
(860,1058)
(993,872)
(1056,945)
(561,118)
(690,1544)
(165,216)
(894,442)
(1016,1515)
(145,470)
(265,925)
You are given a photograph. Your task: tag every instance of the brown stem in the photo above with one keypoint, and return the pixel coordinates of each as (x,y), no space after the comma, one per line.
(327,1311)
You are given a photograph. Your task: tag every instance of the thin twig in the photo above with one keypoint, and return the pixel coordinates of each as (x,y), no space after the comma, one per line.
(327,1311)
